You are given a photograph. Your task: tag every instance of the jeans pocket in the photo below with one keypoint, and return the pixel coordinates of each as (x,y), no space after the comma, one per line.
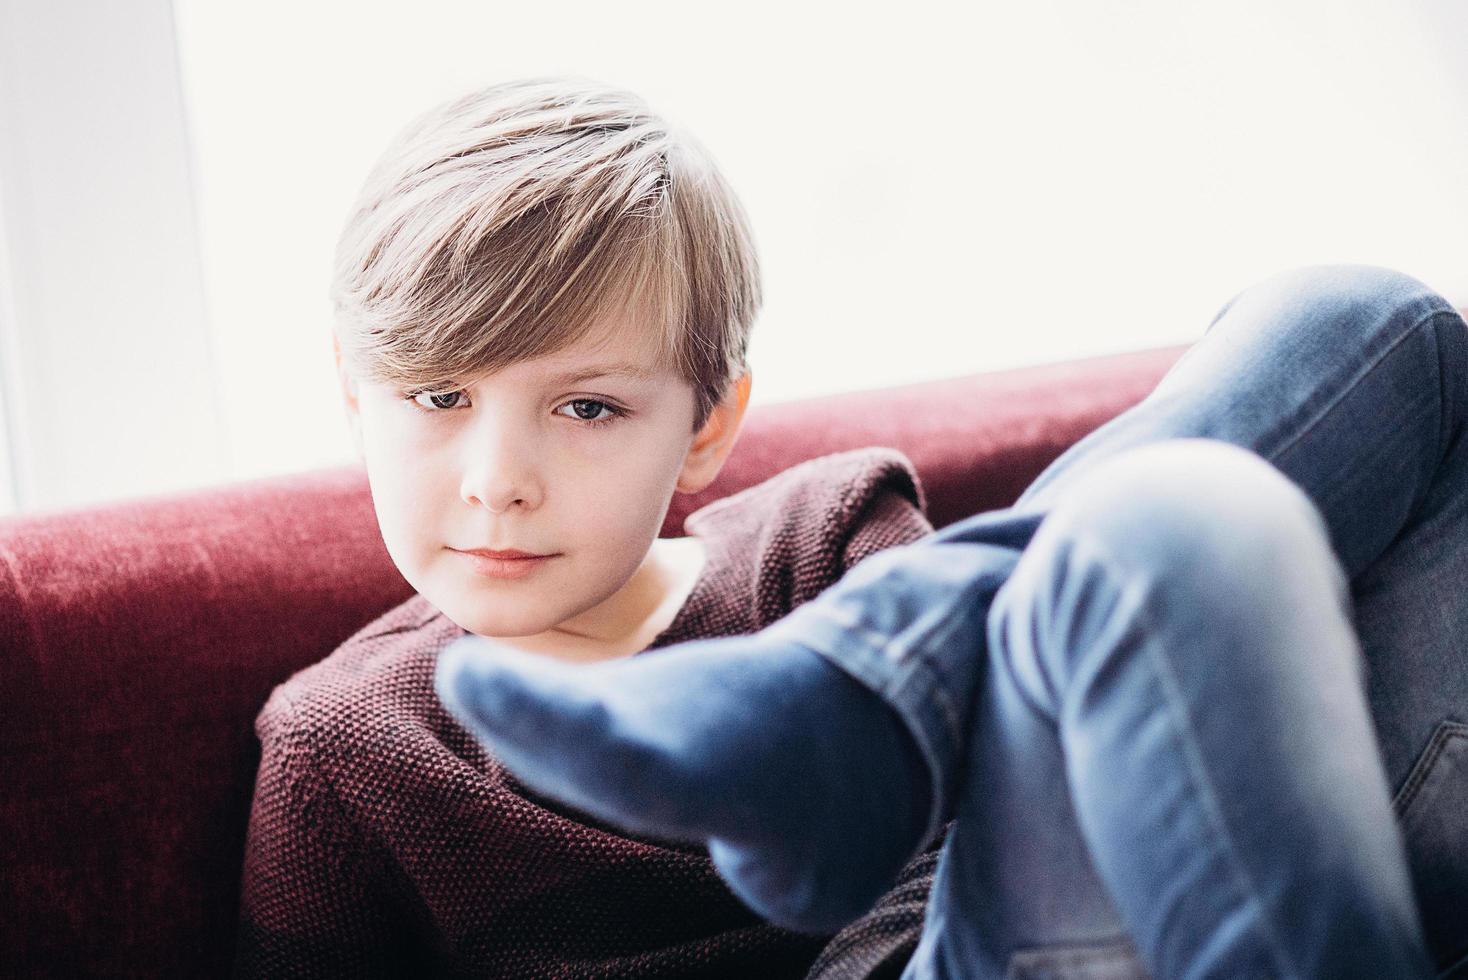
(1432,807)
(1114,960)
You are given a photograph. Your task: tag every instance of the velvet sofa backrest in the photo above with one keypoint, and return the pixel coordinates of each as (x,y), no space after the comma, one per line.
(138,641)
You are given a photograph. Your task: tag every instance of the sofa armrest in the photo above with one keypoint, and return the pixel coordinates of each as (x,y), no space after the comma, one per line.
(140,640)
(977,441)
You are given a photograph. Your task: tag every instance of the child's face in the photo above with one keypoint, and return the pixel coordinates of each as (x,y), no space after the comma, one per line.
(574,456)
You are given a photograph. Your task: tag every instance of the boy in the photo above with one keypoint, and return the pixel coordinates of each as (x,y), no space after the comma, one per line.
(543,298)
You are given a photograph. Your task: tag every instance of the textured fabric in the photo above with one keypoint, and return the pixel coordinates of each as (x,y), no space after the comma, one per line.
(138,640)
(878,945)
(383,840)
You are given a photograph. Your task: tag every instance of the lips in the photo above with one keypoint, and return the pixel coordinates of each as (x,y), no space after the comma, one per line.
(509,554)
(509,563)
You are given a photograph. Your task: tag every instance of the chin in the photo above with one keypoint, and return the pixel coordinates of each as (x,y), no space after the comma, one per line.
(470,612)
(481,608)
(500,627)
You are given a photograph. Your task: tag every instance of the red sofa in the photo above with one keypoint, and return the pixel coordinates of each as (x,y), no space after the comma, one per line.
(138,640)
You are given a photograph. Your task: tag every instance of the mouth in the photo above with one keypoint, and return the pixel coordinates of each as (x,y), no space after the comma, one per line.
(507,564)
(509,554)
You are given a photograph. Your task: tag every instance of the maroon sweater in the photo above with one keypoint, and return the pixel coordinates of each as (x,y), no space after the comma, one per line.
(384,841)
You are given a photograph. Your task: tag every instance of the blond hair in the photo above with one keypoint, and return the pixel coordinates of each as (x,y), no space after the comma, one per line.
(503,225)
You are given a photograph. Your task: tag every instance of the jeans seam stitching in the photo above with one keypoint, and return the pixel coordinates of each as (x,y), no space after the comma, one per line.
(1361,376)
(941,798)
(1418,776)
(908,647)
(939,633)
(1436,746)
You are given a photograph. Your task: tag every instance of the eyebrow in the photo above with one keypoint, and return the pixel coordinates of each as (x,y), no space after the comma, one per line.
(636,372)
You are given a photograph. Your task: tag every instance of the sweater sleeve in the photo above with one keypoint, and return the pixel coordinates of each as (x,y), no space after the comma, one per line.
(889,519)
(802,529)
(313,904)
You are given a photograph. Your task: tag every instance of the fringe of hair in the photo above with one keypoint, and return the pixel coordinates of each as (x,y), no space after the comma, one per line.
(511,222)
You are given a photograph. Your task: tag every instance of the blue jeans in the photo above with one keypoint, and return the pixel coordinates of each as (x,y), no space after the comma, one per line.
(1220,701)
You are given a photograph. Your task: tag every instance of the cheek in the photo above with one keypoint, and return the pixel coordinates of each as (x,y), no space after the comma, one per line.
(395,506)
(651,463)
(627,489)
(402,495)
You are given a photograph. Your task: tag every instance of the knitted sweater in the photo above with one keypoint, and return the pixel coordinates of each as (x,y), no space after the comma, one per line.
(384,841)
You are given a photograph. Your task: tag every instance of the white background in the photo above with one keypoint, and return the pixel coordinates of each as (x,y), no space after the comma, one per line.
(936,190)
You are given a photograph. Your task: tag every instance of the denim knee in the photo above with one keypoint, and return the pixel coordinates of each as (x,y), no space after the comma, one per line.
(1339,296)
(1198,522)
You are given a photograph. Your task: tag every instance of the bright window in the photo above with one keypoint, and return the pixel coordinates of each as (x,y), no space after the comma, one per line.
(947,191)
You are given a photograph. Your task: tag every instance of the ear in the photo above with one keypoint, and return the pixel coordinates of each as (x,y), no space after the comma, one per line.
(349,395)
(713,442)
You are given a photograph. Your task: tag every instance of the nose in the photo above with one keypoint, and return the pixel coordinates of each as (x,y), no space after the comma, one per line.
(499,468)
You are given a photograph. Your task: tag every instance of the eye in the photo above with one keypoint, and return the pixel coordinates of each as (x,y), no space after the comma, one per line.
(434,401)
(590,410)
